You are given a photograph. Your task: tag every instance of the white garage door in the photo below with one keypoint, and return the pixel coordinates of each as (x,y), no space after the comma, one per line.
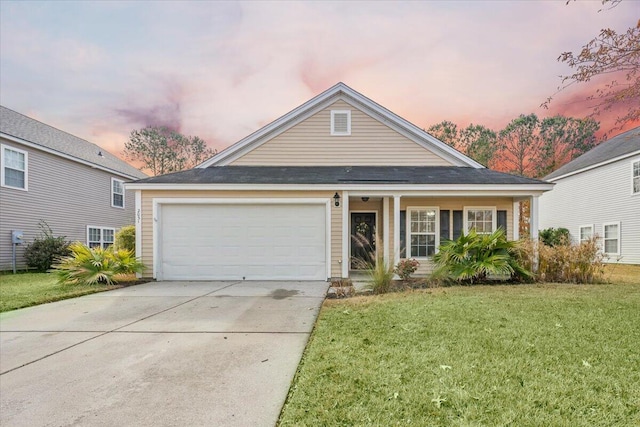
(236,242)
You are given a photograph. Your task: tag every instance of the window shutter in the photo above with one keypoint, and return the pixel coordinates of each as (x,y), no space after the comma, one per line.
(403,234)
(457,224)
(501,220)
(444,226)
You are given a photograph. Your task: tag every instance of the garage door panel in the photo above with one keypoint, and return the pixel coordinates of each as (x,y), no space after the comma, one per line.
(232,242)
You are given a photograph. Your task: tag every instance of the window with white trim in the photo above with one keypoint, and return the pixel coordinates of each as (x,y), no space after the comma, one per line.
(586,233)
(483,219)
(100,237)
(340,122)
(611,238)
(636,177)
(422,232)
(117,193)
(14,168)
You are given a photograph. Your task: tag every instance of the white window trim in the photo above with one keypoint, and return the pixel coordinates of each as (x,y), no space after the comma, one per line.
(604,238)
(26,167)
(348,113)
(102,242)
(409,209)
(633,162)
(112,193)
(494,217)
(585,226)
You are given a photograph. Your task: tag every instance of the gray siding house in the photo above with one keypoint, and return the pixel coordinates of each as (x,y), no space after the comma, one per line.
(72,184)
(598,194)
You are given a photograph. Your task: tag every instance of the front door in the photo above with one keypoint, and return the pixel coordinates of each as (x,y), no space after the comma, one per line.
(363,240)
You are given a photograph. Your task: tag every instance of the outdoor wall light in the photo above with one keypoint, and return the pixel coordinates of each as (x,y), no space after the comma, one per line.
(336,199)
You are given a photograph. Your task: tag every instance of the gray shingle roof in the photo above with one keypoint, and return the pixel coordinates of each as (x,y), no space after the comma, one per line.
(337,175)
(30,130)
(625,143)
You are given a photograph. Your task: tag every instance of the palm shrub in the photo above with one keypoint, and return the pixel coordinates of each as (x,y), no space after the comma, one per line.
(473,257)
(90,266)
(126,238)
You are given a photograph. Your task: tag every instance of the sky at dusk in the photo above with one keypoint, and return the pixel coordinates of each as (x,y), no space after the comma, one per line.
(221,70)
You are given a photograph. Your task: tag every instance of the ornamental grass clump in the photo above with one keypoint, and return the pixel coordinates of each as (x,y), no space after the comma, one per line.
(91,266)
(571,263)
(474,258)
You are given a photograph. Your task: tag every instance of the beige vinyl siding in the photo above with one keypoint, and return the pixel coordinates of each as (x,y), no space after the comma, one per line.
(147,217)
(310,143)
(67,195)
(457,204)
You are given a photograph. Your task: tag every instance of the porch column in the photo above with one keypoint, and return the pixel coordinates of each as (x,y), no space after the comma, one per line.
(138,224)
(533,229)
(385,229)
(396,230)
(346,235)
(516,220)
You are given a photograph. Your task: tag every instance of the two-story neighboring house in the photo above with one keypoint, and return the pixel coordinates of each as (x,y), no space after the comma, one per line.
(292,200)
(598,194)
(72,184)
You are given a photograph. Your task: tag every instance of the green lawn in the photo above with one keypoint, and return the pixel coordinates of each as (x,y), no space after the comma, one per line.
(27,289)
(520,355)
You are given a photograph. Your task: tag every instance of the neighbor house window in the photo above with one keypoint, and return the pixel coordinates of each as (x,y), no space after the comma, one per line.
(611,238)
(586,233)
(14,168)
(636,177)
(100,237)
(340,122)
(422,226)
(483,219)
(117,193)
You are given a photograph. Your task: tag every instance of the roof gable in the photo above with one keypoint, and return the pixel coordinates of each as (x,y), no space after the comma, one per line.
(617,148)
(341,93)
(27,131)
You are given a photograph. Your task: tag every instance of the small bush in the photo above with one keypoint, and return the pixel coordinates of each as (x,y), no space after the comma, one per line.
(554,236)
(473,257)
(567,262)
(126,238)
(90,266)
(406,267)
(45,249)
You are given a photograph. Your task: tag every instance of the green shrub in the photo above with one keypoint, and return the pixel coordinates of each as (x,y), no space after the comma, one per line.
(473,257)
(406,267)
(554,236)
(90,266)
(126,238)
(45,249)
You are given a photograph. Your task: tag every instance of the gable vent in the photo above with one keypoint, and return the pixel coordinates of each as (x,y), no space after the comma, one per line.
(340,122)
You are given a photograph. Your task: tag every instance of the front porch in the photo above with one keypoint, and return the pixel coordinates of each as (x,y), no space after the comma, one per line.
(413,224)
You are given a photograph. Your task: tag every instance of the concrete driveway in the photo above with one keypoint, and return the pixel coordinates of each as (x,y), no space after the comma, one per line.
(158,354)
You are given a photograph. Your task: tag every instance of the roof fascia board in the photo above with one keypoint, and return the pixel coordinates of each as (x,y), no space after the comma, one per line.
(405,188)
(337,92)
(65,156)
(597,165)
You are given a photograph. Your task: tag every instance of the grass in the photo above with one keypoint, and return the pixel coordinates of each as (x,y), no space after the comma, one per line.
(27,289)
(520,355)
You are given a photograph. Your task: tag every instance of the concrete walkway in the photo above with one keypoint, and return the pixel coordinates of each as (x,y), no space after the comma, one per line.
(158,354)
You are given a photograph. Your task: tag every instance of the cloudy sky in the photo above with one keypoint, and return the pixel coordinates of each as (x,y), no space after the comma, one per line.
(221,70)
